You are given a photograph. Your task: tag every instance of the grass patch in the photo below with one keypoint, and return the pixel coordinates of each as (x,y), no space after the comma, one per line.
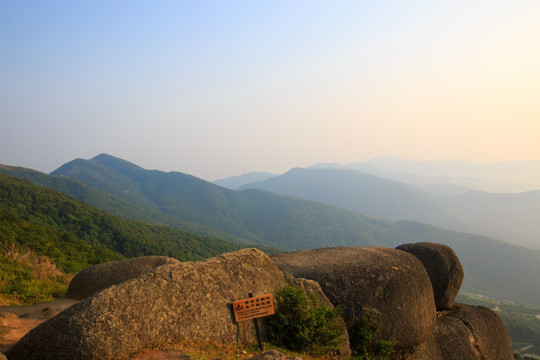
(27,278)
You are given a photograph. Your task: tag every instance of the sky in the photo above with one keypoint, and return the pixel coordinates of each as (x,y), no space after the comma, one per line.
(220,88)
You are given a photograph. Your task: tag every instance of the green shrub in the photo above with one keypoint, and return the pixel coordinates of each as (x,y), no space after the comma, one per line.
(364,344)
(304,324)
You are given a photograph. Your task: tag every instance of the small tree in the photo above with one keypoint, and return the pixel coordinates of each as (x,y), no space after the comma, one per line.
(304,324)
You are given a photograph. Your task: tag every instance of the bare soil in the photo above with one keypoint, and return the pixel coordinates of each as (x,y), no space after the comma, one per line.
(163,355)
(16,321)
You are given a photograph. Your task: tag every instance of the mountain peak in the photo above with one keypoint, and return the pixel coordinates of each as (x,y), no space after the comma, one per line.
(112,161)
(104,156)
(325,165)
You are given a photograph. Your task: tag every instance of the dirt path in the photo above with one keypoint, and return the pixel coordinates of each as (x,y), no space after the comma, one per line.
(16,321)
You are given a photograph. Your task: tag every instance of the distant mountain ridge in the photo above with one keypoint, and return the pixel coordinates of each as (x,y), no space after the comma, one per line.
(430,176)
(493,268)
(234,182)
(502,177)
(506,171)
(509,217)
(349,189)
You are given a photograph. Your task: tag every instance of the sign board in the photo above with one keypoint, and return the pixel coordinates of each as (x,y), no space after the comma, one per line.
(254,307)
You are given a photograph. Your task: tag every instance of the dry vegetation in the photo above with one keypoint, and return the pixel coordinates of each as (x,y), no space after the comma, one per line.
(206,350)
(27,278)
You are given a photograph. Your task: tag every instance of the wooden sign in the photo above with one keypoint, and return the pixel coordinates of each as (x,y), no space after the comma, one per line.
(254,307)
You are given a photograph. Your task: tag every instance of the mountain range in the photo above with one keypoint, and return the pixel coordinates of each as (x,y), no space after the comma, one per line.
(492,267)
(234,182)
(509,217)
(439,177)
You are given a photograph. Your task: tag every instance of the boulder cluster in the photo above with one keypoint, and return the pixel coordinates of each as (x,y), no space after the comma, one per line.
(131,304)
(412,289)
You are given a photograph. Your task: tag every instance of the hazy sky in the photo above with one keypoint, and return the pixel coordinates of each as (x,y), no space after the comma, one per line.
(219,88)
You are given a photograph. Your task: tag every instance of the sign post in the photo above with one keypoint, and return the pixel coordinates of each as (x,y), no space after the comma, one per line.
(257,331)
(254,308)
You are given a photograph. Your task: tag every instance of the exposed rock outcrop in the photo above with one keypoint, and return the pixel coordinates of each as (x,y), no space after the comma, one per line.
(98,277)
(450,340)
(388,282)
(444,270)
(466,333)
(488,330)
(138,302)
(187,300)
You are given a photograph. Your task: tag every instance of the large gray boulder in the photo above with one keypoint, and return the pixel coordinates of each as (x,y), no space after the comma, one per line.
(443,267)
(450,340)
(491,337)
(190,300)
(466,333)
(387,282)
(98,277)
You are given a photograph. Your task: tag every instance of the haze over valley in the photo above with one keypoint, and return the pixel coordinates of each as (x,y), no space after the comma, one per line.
(507,216)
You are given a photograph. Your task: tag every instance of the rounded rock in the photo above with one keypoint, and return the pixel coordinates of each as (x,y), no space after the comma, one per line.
(443,267)
(98,277)
(383,281)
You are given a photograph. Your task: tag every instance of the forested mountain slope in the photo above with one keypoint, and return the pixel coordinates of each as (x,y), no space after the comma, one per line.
(117,205)
(46,236)
(76,235)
